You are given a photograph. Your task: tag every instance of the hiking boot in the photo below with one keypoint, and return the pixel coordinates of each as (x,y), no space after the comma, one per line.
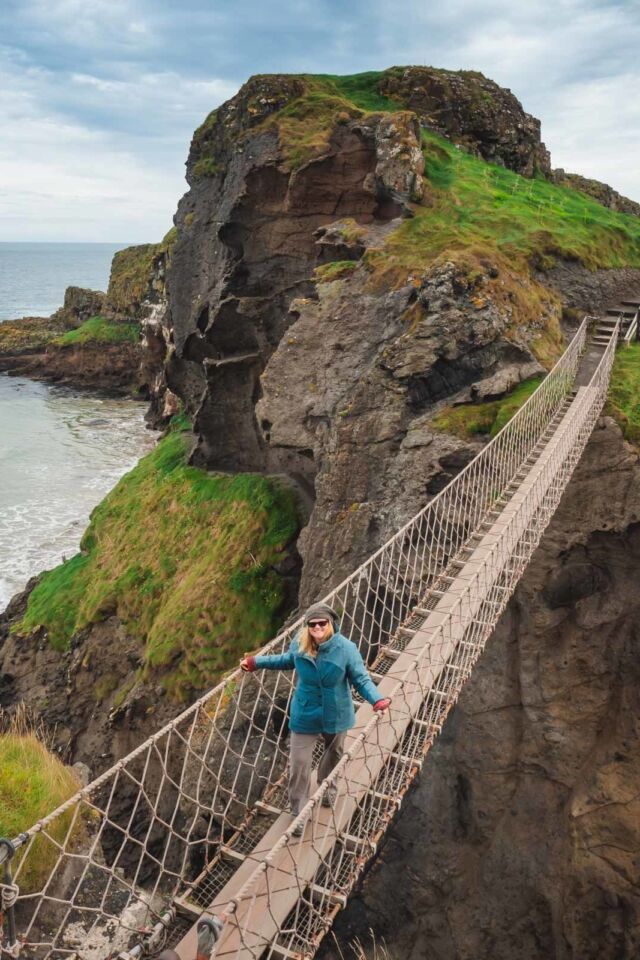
(329,798)
(298,830)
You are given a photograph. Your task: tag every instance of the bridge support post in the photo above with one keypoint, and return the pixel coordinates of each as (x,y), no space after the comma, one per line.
(9,891)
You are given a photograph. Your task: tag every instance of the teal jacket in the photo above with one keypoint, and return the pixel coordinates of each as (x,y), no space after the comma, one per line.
(322,701)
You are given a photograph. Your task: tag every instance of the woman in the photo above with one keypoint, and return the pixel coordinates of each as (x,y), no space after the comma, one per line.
(326,664)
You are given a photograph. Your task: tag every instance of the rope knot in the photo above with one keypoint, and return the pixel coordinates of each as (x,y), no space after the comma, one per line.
(9,893)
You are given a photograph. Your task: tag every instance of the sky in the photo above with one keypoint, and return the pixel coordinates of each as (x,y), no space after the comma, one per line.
(101,97)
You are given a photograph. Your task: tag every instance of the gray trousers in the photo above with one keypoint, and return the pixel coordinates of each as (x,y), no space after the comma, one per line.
(300,759)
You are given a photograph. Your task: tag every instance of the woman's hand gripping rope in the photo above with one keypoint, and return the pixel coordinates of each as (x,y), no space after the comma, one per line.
(380,706)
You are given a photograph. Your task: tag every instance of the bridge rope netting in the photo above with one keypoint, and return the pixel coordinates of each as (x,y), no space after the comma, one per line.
(193,824)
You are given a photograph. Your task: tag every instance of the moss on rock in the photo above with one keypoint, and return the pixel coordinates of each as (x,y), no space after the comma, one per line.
(28,335)
(335,270)
(132,272)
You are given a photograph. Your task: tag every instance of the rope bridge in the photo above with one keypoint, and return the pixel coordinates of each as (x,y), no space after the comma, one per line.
(187,844)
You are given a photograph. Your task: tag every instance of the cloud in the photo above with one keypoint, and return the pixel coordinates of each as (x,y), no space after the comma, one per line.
(100,97)
(595,130)
(104,157)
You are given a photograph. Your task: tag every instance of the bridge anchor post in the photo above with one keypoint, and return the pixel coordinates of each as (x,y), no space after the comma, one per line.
(9,892)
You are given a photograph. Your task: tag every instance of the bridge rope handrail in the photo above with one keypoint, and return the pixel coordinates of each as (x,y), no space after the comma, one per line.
(587,402)
(222,754)
(571,354)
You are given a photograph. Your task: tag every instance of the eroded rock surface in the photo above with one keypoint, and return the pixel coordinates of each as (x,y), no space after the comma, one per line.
(358,398)
(334,383)
(472,110)
(521,838)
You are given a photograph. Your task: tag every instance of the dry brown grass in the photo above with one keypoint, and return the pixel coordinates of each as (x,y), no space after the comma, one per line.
(377,950)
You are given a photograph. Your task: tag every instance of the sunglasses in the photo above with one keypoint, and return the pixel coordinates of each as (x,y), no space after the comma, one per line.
(317,623)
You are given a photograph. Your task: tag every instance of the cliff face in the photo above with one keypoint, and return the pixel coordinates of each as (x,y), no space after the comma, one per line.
(340,277)
(521,836)
(269,358)
(316,326)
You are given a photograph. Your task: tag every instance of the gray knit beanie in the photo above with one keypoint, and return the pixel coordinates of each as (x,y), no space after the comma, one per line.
(321,610)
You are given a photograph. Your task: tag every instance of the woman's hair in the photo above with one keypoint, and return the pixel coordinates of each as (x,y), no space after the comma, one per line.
(306,643)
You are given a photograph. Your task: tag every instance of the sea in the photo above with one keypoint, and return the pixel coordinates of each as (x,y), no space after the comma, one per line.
(61,450)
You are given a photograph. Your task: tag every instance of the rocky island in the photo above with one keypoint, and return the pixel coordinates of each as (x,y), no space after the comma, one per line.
(368,276)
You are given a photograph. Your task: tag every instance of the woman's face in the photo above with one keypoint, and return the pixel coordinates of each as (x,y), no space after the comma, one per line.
(318,629)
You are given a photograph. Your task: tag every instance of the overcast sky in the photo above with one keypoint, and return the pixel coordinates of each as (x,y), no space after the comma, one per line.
(100,97)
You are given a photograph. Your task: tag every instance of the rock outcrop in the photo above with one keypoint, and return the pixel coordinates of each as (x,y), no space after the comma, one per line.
(601,192)
(270,364)
(521,837)
(103,367)
(79,305)
(473,111)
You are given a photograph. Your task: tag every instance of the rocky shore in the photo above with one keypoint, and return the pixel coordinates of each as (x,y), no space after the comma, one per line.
(97,340)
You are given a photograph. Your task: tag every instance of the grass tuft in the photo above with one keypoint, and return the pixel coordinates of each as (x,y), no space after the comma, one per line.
(100,330)
(207,167)
(187,560)
(624,392)
(33,781)
(335,270)
(484,419)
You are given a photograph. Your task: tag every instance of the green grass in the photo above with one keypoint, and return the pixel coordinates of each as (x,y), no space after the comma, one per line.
(185,559)
(624,392)
(484,419)
(100,330)
(475,208)
(207,167)
(361,89)
(335,270)
(33,782)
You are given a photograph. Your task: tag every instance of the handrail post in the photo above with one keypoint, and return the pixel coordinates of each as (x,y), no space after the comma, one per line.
(8,895)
